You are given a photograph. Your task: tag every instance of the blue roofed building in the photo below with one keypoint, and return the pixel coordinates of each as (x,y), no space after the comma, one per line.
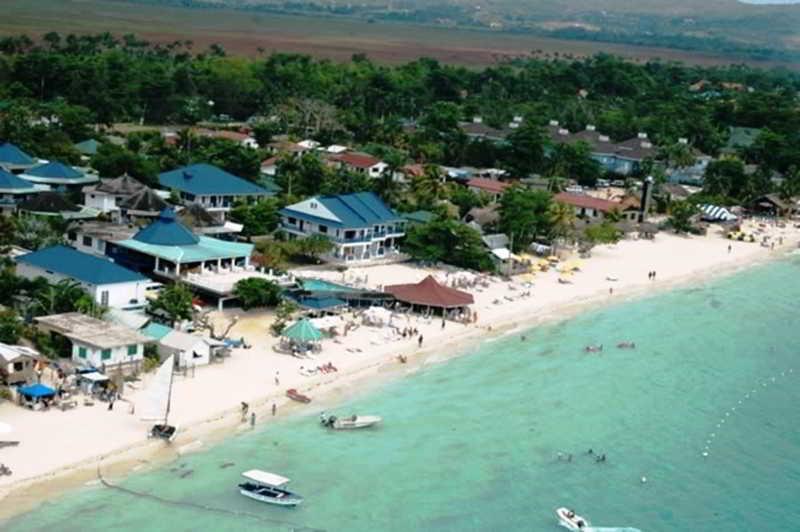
(168,250)
(360,226)
(13,190)
(108,283)
(212,188)
(58,175)
(14,159)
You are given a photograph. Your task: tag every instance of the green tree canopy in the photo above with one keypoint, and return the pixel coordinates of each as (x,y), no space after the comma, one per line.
(174,301)
(257,292)
(524,215)
(448,241)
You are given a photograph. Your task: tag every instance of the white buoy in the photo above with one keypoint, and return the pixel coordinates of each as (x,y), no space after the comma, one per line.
(705,453)
(644,480)
(727,414)
(713,434)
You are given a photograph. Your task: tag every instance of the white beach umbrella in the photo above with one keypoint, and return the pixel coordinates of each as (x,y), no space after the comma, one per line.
(5,428)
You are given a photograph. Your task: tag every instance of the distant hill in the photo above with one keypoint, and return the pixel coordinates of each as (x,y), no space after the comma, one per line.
(728,26)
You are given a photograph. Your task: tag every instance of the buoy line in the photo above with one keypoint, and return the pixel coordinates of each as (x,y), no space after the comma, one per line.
(747,395)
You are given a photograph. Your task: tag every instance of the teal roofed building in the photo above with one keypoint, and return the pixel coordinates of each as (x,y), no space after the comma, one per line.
(360,226)
(14,159)
(212,188)
(109,284)
(58,175)
(167,249)
(88,147)
(14,189)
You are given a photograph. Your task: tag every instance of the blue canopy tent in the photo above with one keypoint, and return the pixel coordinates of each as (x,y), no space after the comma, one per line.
(36,391)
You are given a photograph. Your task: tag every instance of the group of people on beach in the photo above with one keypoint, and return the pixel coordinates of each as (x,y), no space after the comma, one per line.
(651,275)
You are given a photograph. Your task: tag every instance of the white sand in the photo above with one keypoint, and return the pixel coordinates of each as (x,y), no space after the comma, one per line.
(65,448)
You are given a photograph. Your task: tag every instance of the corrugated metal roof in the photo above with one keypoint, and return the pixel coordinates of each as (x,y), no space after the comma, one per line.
(11,154)
(205,179)
(80,266)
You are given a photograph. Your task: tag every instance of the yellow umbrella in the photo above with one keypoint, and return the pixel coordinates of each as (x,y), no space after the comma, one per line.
(553,258)
(572,265)
(527,278)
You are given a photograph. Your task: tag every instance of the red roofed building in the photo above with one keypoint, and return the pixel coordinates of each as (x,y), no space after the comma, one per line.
(362,163)
(492,187)
(429,293)
(591,207)
(270,166)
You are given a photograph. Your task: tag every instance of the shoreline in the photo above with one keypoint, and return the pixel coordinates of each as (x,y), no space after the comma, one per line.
(373,371)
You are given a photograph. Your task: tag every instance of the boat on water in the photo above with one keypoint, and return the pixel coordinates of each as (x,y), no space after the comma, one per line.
(266,487)
(156,402)
(570,520)
(294,395)
(348,423)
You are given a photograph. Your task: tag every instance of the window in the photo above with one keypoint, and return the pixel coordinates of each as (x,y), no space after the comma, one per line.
(104,298)
(82,352)
(19,366)
(71,236)
(292,221)
(323,229)
(133,350)
(87,241)
(105,354)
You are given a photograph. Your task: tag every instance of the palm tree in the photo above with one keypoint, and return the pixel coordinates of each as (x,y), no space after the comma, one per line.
(386,185)
(429,187)
(57,298)
(562,218)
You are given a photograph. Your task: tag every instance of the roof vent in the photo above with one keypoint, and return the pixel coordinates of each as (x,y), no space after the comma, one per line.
(590,127)
(604,138)
(642,135)
(518,118)
(477,120)
(563,131)
(554,123)
(313,205)
(683,140)
(647,145)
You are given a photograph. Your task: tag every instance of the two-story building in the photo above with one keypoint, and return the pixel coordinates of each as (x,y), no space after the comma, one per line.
(212,188)
(360,226)
(109,284)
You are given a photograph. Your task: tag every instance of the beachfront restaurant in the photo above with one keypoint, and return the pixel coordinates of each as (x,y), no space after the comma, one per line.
(167,249)
(429,295)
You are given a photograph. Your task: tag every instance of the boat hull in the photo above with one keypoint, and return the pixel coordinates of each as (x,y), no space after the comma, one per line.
(571,522)
(361,422)
(288,501)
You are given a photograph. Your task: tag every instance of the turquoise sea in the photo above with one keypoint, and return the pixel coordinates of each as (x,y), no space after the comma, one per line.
(474,443)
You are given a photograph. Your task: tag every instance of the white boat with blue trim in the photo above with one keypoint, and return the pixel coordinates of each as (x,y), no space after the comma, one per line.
(266,487)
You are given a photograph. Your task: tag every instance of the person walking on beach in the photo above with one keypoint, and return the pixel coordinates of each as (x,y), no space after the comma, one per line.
(419,342)
(277,380)
(253,419)
(729,248)
(443,322)
(274,409)
(245,409)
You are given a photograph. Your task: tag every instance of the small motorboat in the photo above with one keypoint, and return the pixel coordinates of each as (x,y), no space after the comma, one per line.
(570,520)
(626,345)
(294,395)
(348,423)
(266,487)
(164,432)
(593,348)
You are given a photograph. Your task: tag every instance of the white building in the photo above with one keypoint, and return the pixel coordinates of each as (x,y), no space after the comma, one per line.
(108,283)
(96,342)
(107,196)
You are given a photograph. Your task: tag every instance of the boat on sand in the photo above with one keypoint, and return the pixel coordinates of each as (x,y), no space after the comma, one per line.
(570,520)
(266,487)
(294,395)
(156,402)
(348,423)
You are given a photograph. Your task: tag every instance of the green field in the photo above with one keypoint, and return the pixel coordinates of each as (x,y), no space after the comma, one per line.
(249,32)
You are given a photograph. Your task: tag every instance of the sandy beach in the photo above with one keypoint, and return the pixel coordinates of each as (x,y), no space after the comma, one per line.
(60,450)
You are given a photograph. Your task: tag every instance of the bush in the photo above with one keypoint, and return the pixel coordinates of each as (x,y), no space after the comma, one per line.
(257,292)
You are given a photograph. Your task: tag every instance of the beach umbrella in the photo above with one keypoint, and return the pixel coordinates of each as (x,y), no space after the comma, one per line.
(5,428)
(302,331)
(553,258)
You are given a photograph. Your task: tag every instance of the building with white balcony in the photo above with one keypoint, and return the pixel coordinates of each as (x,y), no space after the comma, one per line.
(212,188)
(360,226)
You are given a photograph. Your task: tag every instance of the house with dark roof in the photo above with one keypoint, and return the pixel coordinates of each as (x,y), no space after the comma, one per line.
(143,205)
(622,158)
(361,163)
(58,175)
(360,226)
(109,284)
(14,159)
(213,188)
(107,195)
(49,203)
